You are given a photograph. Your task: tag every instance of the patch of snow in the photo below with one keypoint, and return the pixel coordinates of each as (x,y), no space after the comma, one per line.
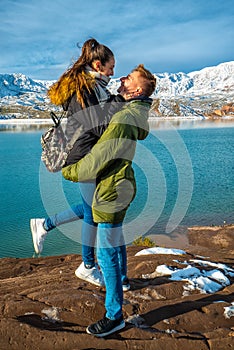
(228,270)
(204,284)
(229,311)
(137,321)
(159,250)
(204,281)
(170,331)
(52,314)
(219,277)
(185,274)
(164,270)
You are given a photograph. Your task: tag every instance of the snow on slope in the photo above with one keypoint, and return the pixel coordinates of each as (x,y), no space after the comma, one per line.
(217,81)
(212,79)
(18,84)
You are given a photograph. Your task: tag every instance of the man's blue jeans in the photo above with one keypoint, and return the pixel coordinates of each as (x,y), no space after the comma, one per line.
(110,242)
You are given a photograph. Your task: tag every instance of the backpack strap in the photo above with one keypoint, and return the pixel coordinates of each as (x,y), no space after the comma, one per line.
(57,120)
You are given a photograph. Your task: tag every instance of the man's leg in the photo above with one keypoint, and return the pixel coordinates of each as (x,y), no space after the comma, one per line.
(108,239)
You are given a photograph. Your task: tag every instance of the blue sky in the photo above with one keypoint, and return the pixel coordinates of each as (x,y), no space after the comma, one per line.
(39,37)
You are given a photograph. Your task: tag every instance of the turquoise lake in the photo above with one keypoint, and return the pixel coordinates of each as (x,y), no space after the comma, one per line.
(184,172)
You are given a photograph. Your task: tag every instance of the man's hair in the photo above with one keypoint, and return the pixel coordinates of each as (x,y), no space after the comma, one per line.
(149,79)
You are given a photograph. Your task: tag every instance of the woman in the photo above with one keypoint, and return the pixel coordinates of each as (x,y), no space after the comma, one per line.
(78,90)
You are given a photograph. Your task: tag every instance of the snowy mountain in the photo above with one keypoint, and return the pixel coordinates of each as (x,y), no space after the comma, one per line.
(191,94)
(18,84)
(198,94)
(211,80)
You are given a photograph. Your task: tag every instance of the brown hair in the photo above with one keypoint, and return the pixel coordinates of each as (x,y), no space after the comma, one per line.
(150,80)
(75,79)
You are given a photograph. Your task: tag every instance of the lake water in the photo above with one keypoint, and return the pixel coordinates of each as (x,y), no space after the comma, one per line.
(185,177)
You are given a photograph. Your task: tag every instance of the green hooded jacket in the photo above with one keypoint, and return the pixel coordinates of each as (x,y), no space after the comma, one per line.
(109,162)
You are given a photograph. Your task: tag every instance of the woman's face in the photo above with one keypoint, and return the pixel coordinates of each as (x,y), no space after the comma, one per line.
(107,69)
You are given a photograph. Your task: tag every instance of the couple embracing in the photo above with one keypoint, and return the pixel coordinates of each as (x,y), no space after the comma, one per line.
(101,162)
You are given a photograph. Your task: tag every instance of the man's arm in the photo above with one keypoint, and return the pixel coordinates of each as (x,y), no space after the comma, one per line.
(117,142)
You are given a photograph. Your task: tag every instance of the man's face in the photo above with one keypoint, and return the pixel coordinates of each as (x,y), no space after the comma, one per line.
(130,84)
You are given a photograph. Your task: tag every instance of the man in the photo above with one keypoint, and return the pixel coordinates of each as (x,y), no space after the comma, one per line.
(110,164)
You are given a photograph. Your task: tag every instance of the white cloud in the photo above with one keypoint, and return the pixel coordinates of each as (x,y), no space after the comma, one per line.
(164,34)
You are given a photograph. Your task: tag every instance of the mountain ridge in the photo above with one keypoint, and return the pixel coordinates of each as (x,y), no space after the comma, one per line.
(197,93)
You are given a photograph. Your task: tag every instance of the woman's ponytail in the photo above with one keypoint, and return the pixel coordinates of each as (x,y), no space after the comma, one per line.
(75,79)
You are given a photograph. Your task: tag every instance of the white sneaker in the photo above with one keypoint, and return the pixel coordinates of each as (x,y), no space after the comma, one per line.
(92,275)
(38,234)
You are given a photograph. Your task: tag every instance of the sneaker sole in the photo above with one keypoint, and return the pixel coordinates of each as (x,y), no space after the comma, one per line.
(84,278)
(33,228)
(101,335)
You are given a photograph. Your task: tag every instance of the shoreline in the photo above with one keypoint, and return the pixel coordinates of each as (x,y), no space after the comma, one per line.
(151,119)
(181,239)
(26,121)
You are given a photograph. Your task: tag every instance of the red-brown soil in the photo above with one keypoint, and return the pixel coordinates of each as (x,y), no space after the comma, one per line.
(158,316)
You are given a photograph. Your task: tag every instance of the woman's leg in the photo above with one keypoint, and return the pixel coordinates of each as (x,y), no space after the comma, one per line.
(41,227)
(89,228)
(88,270)
(75,212)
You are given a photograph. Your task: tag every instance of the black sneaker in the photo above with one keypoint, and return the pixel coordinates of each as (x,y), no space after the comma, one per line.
(105,327)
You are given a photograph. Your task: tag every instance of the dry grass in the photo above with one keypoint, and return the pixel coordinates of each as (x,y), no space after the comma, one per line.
(143,242)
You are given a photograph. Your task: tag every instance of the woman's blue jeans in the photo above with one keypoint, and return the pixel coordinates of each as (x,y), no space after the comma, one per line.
(110,242)
(89,228)
(76,212)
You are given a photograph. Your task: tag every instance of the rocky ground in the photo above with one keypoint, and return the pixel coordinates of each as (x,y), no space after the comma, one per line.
(45,306)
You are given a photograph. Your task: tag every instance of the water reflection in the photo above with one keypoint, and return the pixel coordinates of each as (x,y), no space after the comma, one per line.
(190,124)
(24,127)
(36,125)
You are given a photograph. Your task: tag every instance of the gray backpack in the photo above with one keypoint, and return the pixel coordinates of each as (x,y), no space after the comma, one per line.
(55,146)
